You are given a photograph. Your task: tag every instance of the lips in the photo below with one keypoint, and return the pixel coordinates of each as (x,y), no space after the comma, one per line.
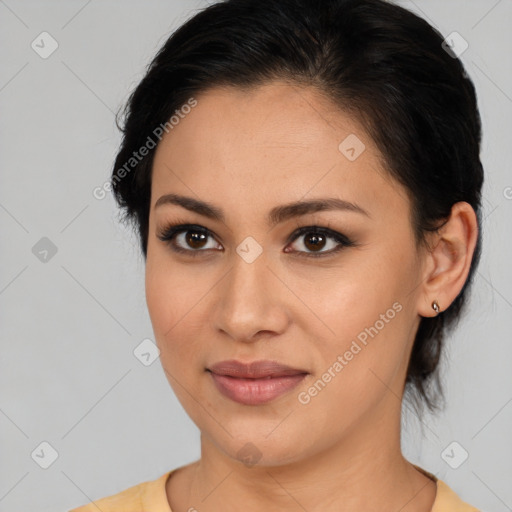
(254,383)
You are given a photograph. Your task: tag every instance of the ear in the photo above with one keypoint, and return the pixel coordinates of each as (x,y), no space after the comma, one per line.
(449,259)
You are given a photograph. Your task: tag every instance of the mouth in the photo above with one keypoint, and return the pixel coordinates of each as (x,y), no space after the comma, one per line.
(254,383)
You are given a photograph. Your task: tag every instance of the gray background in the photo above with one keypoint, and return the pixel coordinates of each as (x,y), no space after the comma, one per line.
(70,323)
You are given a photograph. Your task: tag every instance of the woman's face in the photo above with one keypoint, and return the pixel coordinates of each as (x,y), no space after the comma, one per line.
(245,286)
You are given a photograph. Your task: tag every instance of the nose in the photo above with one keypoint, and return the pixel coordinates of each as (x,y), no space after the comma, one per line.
(251,301)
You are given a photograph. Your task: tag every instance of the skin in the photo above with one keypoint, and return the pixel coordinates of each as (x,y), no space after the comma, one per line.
(247,151)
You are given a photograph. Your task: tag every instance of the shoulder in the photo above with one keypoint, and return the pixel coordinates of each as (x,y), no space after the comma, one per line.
(448,501)
(149,495)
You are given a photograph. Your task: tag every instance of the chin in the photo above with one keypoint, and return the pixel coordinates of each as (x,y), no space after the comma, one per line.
(258,449)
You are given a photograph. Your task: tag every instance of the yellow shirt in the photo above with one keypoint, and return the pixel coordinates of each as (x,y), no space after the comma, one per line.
(151,497)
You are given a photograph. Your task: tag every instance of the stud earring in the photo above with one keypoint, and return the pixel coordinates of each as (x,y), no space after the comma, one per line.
(435,306)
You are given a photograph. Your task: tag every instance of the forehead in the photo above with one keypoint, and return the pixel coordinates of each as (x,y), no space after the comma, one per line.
(270,114)
(265,140)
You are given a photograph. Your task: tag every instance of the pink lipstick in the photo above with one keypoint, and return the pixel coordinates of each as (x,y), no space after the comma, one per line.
(255,383)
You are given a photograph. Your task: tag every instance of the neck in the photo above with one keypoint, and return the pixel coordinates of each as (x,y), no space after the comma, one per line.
(364,471)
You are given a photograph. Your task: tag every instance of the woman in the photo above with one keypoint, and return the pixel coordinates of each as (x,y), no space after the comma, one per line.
(305,180)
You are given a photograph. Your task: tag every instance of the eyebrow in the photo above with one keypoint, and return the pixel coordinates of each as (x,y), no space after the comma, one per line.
(277,215)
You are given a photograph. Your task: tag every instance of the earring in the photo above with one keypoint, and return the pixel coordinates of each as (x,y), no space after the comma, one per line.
(435,306)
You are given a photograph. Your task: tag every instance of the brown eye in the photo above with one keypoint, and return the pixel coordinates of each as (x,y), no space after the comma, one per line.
(195,239)
(315,242)
(187,239)
(315,239)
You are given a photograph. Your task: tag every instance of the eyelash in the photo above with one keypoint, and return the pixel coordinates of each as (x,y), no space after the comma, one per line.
(168,234)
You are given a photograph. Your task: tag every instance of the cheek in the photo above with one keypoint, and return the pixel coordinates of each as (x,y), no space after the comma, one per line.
(371,344)
(366,321)
(171,291)
(172,302)
(350,301)
(361,368)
